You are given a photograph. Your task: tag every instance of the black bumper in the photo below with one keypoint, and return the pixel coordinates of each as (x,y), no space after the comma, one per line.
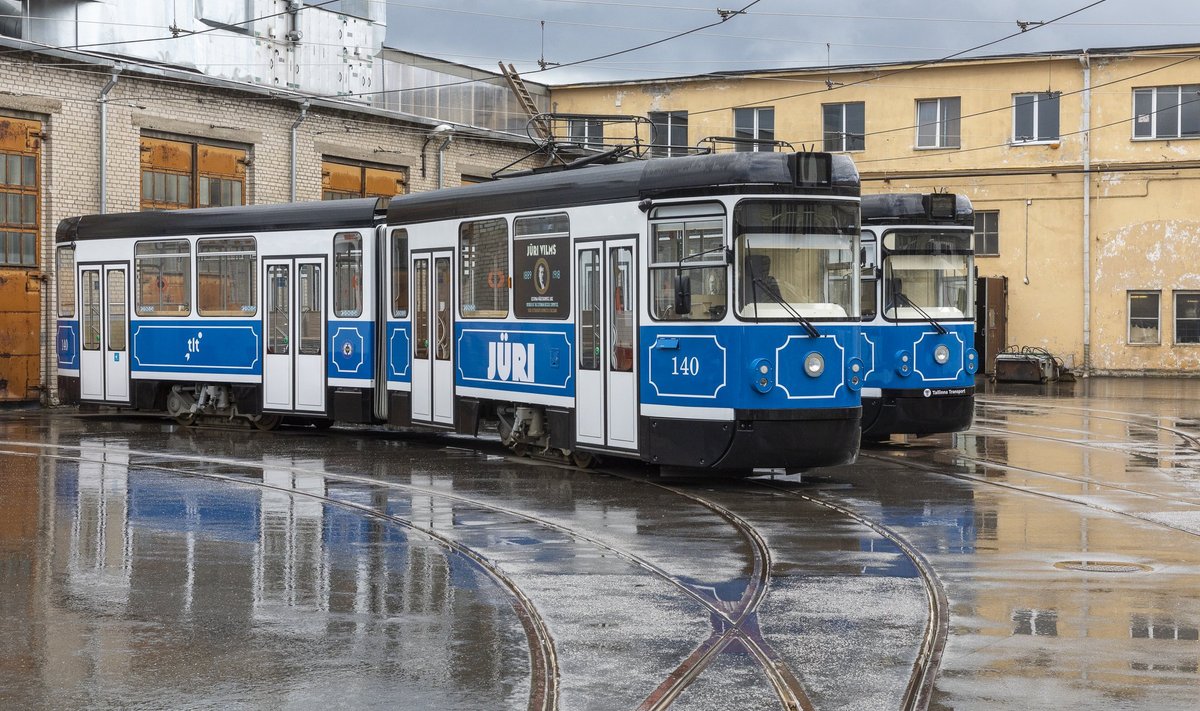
(787,439)
(911,412)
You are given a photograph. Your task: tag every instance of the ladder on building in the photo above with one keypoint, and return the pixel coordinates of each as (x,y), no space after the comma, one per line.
(517,84)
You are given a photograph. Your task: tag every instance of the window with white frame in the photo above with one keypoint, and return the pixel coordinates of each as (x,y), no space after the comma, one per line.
(670,133)
(987,233)
(845,126)
(938,122)
(752,125)
(1167,112)
(1143,318)
(1035,117)
(587,132)
(1187,317)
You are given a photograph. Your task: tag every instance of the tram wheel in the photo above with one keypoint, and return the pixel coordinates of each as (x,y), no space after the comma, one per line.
(179,409)
(583,460)
(267,422)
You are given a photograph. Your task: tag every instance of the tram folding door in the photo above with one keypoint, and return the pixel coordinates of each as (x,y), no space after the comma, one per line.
(433,338)
(606,406)
(104,315)
(294,335)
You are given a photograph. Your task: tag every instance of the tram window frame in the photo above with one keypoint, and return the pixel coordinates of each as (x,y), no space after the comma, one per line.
(90,316)
(233,265)
(347,275)
(840,135)
(1153,120)
(398,244)
(1144,319)
(868,307)
(142,263)
(64,265)
(472,237)
(1041,112)
(691,227)
(541,250)
(942,134)
(987,236)
(1191,321)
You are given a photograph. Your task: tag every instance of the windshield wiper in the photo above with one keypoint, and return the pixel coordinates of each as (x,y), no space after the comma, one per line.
(898,296)
(774,294)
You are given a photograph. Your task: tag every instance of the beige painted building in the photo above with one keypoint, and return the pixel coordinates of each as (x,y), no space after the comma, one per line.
(1082,167)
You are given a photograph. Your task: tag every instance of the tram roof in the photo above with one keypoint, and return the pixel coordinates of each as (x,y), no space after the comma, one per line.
(914,208)
(725,173)
(330,214)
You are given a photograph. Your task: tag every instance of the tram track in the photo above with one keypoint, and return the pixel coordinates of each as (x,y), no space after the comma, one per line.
(541,644)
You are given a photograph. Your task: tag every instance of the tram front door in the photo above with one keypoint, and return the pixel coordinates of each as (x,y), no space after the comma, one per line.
(104,313)
(606,403)
(294,335)
(433,336)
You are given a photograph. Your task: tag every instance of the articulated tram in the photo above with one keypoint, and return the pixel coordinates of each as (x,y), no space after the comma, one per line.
(697,312)
(918,305)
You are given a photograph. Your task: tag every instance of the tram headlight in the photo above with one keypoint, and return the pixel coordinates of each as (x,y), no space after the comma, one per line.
(941,354)
(814,365)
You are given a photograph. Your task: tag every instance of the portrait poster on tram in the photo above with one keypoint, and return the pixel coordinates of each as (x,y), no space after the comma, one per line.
(541,287)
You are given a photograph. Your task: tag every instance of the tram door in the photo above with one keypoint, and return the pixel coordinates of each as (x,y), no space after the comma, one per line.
(606,408)
(433,338)
(294,335)
(104,352)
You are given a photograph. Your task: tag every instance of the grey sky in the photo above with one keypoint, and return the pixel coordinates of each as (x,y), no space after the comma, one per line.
(773,34)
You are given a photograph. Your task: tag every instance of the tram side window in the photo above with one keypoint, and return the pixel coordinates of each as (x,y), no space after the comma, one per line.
(347,275)
(868,282)
(483,249)
(225,277)
(399,273)
(590,300)
(542,267)
(65,265)
(164,277)
(689,273)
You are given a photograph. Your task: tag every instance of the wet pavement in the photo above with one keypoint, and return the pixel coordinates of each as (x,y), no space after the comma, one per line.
(1049,556)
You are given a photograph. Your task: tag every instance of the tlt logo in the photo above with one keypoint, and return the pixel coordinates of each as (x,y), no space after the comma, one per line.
(510,361)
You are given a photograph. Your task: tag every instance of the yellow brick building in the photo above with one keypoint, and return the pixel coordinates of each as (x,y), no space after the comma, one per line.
(1083,167)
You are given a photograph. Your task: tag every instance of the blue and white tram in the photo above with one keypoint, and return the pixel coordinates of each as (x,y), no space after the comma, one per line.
(696,312)
(918,306)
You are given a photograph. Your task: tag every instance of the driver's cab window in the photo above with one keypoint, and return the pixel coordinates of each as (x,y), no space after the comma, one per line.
(688,263)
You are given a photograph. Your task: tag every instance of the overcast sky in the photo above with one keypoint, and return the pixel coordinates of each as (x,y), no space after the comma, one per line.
(772,34)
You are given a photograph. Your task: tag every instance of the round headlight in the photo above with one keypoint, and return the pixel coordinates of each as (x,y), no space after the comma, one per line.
(814,365)
(941,354)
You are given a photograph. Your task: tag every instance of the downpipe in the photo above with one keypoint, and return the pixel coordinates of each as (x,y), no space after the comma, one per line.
(112,81)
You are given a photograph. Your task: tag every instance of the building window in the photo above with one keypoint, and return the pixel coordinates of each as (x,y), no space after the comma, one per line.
(1143,318)
(938,123)
(845,126)
(1167,112)
(19,170)
(483,249)
(670,133)
(588,133)
(1035,117)
(1187,317)
(183,174)
(987,233)
(347,181)
(753,125)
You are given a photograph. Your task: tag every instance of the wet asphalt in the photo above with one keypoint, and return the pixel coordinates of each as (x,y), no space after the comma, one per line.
(143,564)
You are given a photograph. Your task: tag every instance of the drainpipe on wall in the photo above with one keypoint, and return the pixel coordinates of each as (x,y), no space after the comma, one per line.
(1085,131)
(112,81)
(295,133)
(442,160)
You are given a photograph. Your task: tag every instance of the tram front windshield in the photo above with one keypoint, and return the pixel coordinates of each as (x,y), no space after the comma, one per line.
(796,257)
(928,275)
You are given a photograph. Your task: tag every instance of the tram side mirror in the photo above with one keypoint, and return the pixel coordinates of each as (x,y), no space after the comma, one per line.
(683,294)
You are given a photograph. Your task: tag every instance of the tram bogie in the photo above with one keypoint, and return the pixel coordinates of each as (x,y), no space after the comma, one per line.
(918,330)
(695,312)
